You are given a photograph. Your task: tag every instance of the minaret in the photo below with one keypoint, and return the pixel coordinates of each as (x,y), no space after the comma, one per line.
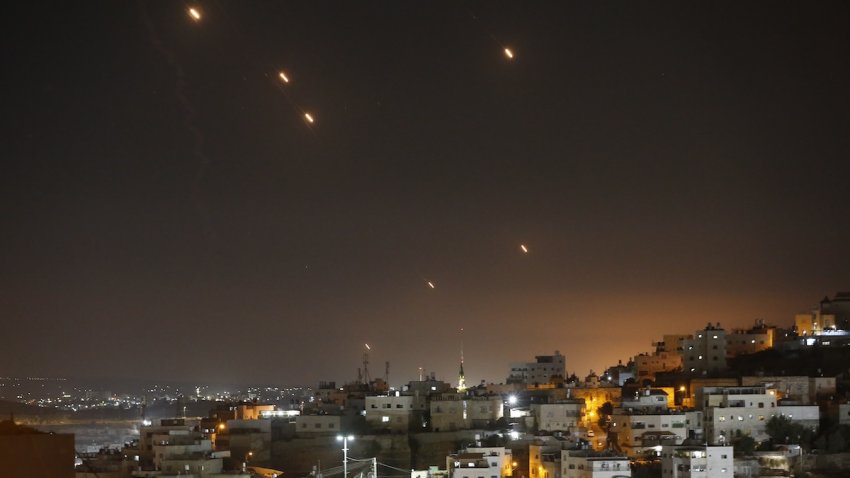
(461,381)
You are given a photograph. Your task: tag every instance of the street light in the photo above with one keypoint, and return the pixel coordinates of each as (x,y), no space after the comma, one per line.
(248,457)
(344,440)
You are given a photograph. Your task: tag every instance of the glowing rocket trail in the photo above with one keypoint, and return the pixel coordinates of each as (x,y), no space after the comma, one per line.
(195,14)
(509,53)
(524,249)
(283,77)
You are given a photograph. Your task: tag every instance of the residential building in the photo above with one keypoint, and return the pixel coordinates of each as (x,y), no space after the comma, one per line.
(595,393)
(312,425)
(802,389)
(398,413)
(484,410)
(619,374)
(697,462)
(666,358)
(562,416)
(648,400)
(544,457)
(481,462)
(706,351)
(252,439)
(174,447)
(544,370)
(635,433)
(648,365)
(730,411)
(448,412)
(590,464)
(749,341)
(839,307)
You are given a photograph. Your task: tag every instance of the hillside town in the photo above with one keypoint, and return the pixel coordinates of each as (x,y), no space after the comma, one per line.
(769,400)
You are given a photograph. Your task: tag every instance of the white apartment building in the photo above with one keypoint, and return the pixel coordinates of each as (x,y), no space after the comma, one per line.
(697,462)
(646,400)
(728,411)
(589,464)
(396,412)
(636,433)
(542,370)
(563,416)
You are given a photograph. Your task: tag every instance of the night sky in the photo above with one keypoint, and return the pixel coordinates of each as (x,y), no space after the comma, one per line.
(168,213)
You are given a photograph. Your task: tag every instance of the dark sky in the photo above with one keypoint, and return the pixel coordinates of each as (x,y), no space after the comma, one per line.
(167,212)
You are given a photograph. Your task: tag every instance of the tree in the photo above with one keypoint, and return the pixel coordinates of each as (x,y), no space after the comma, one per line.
(605,412)
(784,431)
(744,445)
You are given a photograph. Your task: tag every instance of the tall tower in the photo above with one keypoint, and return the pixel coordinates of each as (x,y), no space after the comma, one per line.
(461,380)
(366,377)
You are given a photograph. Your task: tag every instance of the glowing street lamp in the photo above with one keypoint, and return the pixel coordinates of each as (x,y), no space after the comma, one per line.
(344,440)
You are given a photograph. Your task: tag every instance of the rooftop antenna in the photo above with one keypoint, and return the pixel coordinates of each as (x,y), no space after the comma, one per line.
(387,373)
(366,378)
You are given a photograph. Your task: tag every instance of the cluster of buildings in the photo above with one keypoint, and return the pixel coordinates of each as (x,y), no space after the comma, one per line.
(680,406)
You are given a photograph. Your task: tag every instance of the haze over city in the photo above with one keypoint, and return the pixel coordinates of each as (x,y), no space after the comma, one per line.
(168,212)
